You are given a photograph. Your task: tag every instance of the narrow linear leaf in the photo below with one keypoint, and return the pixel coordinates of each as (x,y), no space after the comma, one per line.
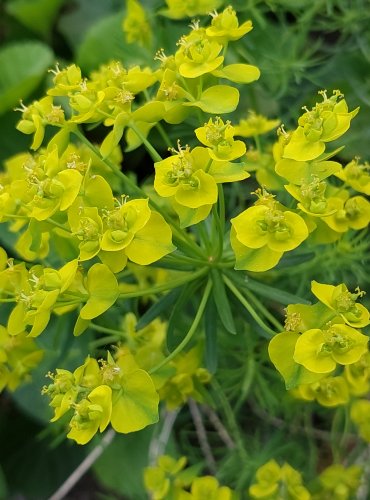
(210,328)
(270,292)
(222,302)
(176,330)
(158,308)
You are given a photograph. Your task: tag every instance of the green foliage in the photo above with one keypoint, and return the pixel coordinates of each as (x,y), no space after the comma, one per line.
(23,66)
(154,226)
(37,15)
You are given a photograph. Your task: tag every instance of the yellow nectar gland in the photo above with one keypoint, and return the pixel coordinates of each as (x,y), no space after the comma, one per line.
(182,167)
(313,194)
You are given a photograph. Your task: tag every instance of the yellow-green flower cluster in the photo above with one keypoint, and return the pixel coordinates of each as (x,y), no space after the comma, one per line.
(275,482)
(356,175)
(255,125)
(39,291)
(178,9)
(261,234)
(185,381)
(325,122)
(109,95)
(69,195)
(338,390)
(189,177)
(18,356)
(182,378)
(337,481)
(319,338)
(115,391)
(330,211)
(135,24)
(169,479)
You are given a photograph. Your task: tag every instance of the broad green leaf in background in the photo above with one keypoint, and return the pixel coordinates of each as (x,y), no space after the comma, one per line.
(105,42)
(81,15)
(32,466)
(36,15)
(11,140)
(3,487)
(121,466)
(22,67)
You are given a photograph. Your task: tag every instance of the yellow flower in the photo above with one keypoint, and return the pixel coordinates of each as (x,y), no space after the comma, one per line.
(326,122)
(262,233)
(91,414)
(353,213)
(219,137)
(271,479)
(135,24)
(225,26)
(320,350)
(356,175)
(197,54)
(178,9)
(360,415)
(340,299)
(255,125)
(329,391)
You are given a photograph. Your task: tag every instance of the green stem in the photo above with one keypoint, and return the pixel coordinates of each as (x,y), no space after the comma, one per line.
(68,303)
(165,287)
(247,381)
(184,259)
(258,144)
(203,235)
(151,150)
(111,339)
(219,232)
(164,135)
(56,224)
(248,306)
(221,207)
(208,166)
(264,311)
(103,329)
(231,421)
(116,170)
(191,331)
